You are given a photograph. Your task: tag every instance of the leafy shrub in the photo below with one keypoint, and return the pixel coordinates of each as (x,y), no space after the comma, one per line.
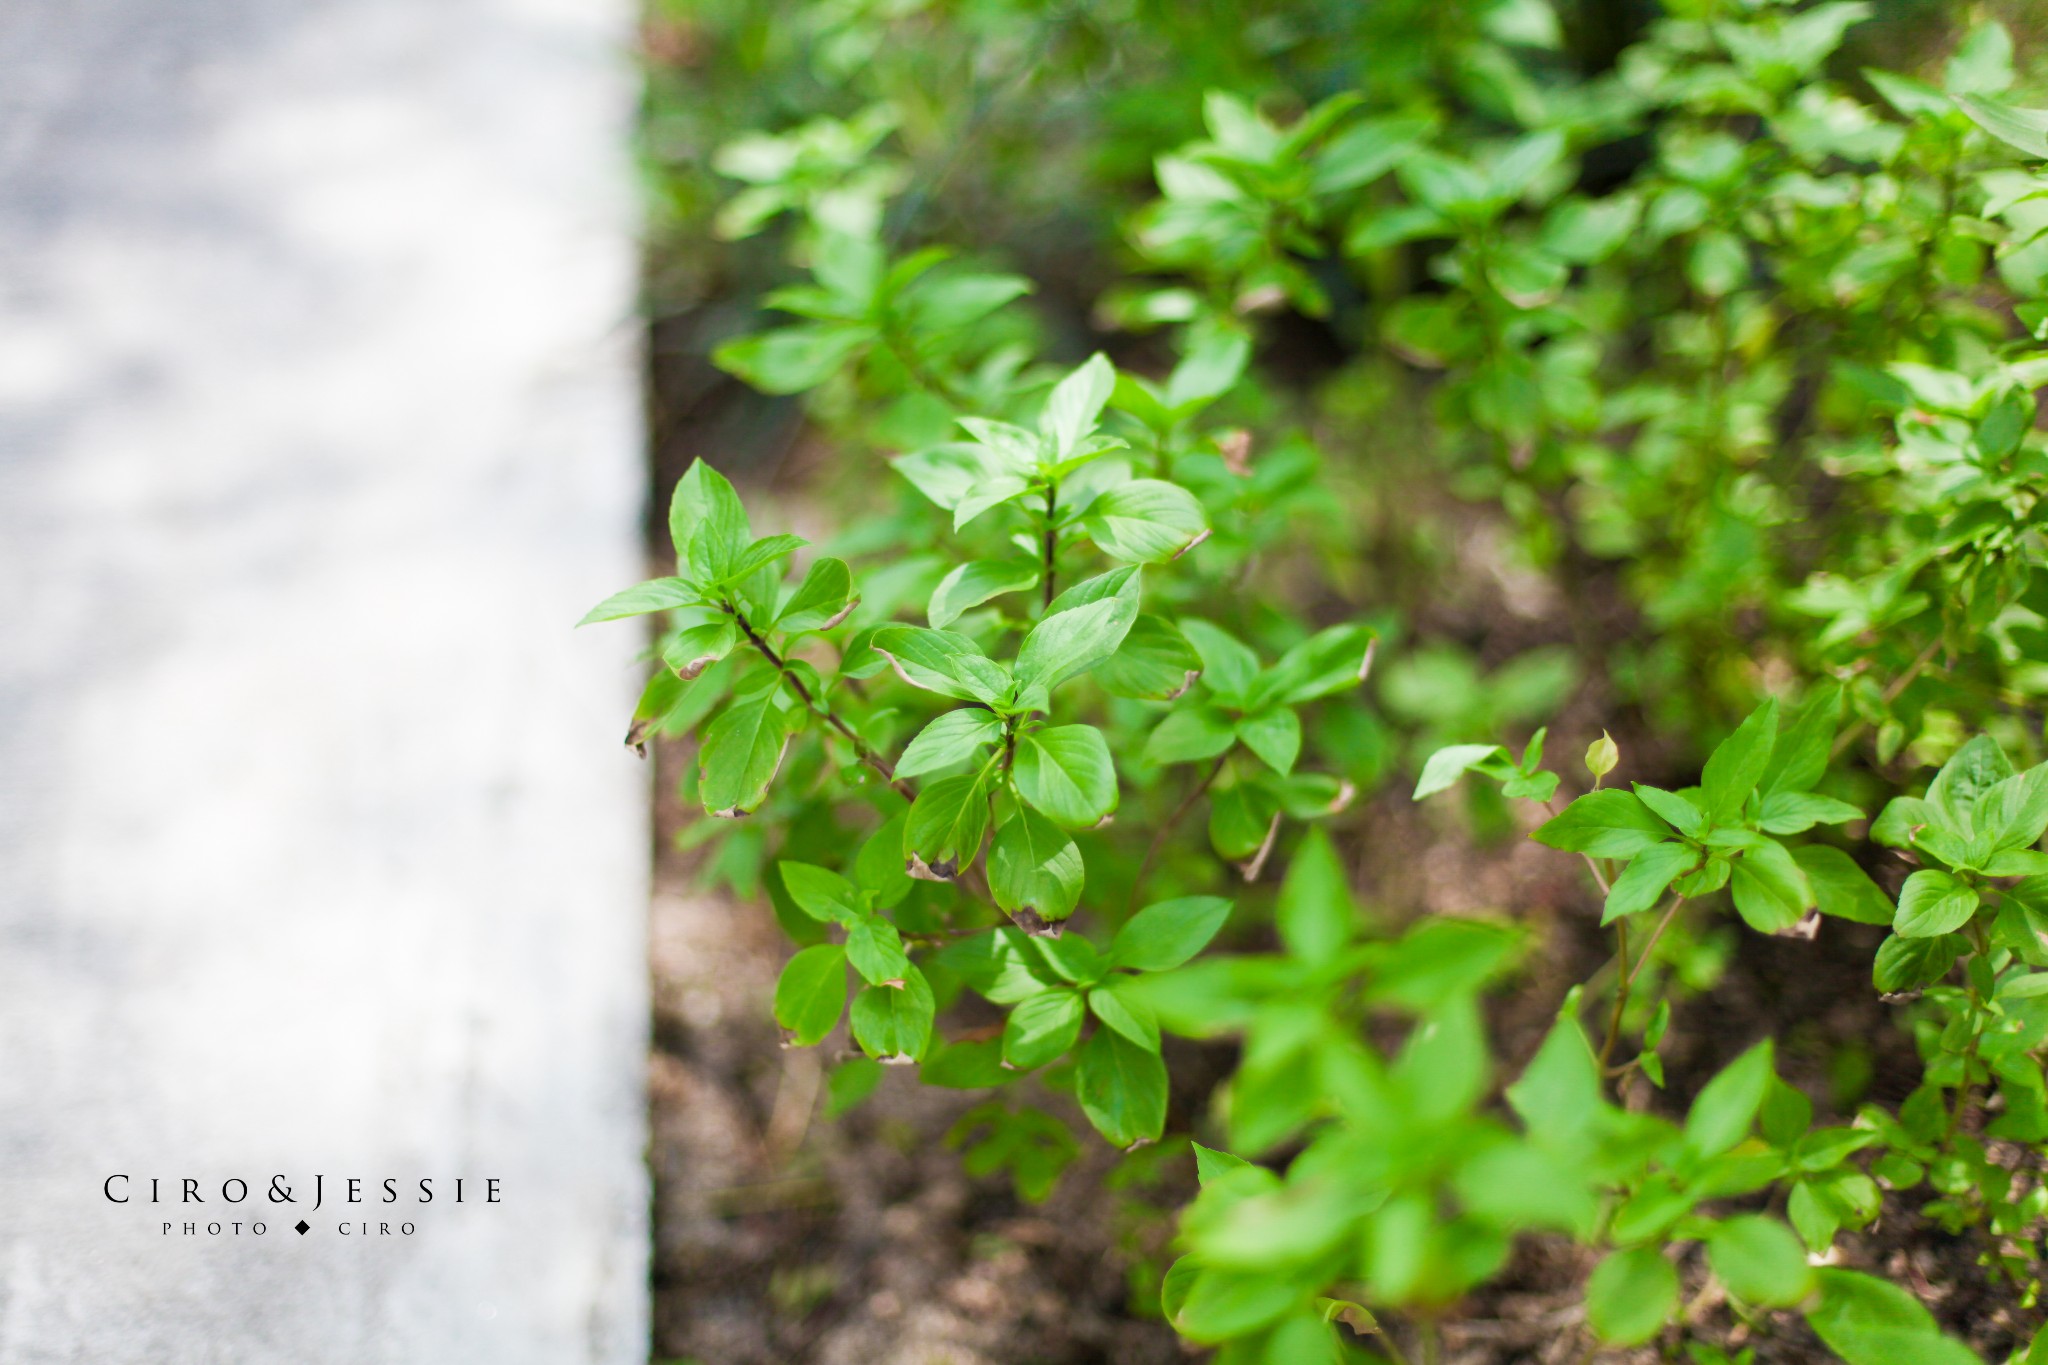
(1727,335)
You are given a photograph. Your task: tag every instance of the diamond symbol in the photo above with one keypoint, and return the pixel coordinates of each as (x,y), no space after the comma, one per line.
(303,1229)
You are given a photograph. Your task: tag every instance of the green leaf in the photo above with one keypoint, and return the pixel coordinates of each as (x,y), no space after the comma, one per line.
(821,893)
(1155,662)
(1589,230)
(1367,150)
(892,1021)
(811,993)
(955,737)
(1770,891)
(741,754)
(1631,1295)
(1070,642)
(1329,661)
(1447,765)
(694,650)
(1133,1019)
(2013,813)
(946,824)
(1242,820)
(657,594)
(821,600)
(1315,913)
(1122,1089)
(1867,1321)
(1145,521)
(975,582)
(1738,763)
(1726,1106)
(1229,667)
(1558,1097)
(1164,935)
(1933,903)
(1908,964)
(1973,770)
(760,555)
(1033,865)
(1800,755)
(876,950)
(1065,771)
(1760,1261)
(941,661)
(1794,812)
(792,359)
(1604,824)
(1275,736)
(1643,882)
(1840,887)
(1000,965)
(1681,814)
(707,523)
(2026,129)
(1043,1028)
(1076,402)
(1189,735)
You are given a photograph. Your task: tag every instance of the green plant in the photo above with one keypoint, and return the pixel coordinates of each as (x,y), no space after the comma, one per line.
(1734,345)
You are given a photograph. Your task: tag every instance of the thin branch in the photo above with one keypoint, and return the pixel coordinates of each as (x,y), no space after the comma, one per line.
(1166,830)
(1629,974)
(1052,536)
(817,706)
(1889,695)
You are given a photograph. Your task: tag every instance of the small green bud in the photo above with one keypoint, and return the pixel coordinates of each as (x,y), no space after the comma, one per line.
(1602,754)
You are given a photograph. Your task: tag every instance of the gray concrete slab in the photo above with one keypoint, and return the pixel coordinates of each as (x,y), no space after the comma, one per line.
(319,853)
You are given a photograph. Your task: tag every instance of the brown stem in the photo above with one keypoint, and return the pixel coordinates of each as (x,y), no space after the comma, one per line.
(1052,536)
(1889,695)
(1166,830)
(818,707)
(1628,976)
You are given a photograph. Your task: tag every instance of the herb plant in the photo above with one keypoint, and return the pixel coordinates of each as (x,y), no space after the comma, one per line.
(1070,731)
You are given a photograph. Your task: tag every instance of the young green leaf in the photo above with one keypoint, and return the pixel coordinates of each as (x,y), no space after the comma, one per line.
(741,754)
(1631,1295)
(821,893)
(821,601)
(1042,1028)
(1726,1106)
(876,950)
(1145,521)
(1738,763)
(955,737)
(1770,892)
(1164,935)
(1033,866)
(1604,824)
(1447,765)
(657,594)
(1316,915)
(811,993)
(1192,733)
(1155,662)
(1933,903)
(975,582)
(1076,402)
(1760,1261)
(1275,736)
(1122,1089)
(707,523)
(1065,771)
(946,825)
(1071,642)
(892,1022)
(1643,882)
(943,662)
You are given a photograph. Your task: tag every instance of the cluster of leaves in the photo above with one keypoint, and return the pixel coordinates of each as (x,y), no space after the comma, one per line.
(1746,332)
